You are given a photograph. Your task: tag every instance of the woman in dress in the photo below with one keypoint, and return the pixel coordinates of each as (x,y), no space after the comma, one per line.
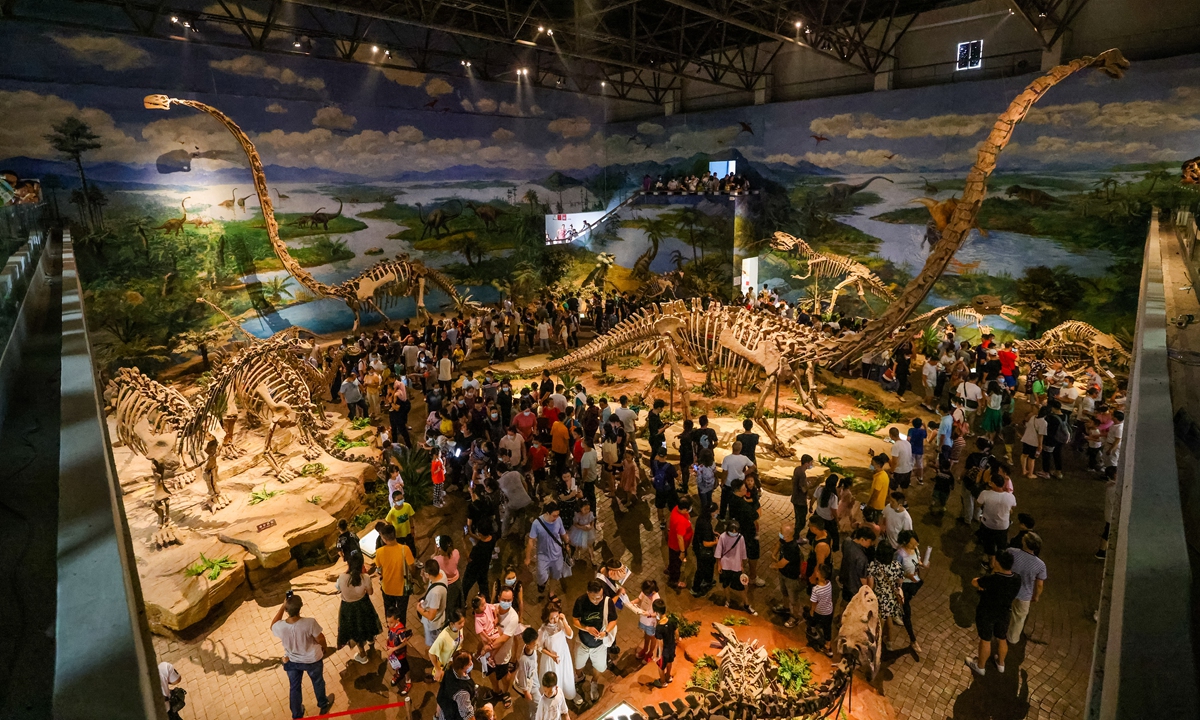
(583,533)
(909,557)
(627,490)
(555,647)
(358,623)
(849,512)
(884,577)
(993,416)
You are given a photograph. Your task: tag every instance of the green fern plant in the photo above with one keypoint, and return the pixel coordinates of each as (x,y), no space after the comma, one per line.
(866,426)
(313,469)
(418,478)
(212,566)
(794,670)
(687,628)
(262,495)
(341,442)
(832,463)
(360,422)
(704,674)
(735,620)
(629,363)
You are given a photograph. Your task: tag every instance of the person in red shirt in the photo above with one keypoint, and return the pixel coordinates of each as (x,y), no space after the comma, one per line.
(679,539)
(525,422)
(1008,365)
(437,470)
(537,460)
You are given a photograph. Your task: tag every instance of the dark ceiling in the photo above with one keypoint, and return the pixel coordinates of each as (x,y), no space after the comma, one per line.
(639,50)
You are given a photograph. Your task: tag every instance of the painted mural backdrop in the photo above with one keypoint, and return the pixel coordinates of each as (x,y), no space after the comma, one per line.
(1062,230)
(366,161)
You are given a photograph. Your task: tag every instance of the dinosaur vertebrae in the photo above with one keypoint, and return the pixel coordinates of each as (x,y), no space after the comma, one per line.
(746,689)
(1111,62)
(356,292)
(1076,344)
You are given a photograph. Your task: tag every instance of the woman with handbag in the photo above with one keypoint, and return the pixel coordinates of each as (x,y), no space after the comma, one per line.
(358,623)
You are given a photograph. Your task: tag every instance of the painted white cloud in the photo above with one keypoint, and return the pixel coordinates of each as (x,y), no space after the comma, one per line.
(486,105)
(856,158)
(275,108)
(467,105)
(536,111)
(1050,149)
(570,127)
(507,108)
(863,125)
(111,53)
(254,66)
(334,119)
(649,128)
(503,136)
(24,109)
(438,86)
(401,76)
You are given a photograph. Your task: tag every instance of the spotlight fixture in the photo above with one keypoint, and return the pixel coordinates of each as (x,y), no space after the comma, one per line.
(175,19)
(296,42)
(603,84)
(374,48)
(541,29)
(465,63)
(798,24)
(186,22)
(550,32)
(387,53)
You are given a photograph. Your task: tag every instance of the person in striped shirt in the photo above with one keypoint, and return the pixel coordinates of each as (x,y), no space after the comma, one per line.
(820,621)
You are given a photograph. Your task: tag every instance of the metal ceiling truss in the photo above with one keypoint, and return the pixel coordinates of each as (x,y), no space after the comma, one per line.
(639,50)
(1050,18)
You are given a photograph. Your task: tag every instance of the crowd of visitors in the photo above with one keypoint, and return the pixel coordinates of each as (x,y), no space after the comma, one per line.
(535,461)
(708,183)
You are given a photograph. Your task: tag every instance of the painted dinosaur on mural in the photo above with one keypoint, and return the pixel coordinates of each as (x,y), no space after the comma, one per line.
(830,265)
(1191,172)
(360,292)
(966,209)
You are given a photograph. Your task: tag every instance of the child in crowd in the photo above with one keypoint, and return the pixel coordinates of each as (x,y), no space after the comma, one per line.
(943,483)
(437,469)
(916,439)
(526,681)
(583,533)
(1095,441)
(667,633)
(397,650)
(960,443)
(647,620)
(551,703)
(820,620)
(629,478)
(537,461)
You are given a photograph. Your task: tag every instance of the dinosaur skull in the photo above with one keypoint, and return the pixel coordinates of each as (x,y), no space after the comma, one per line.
(987,304)
(1191,172)
(1112,63)
(157,102)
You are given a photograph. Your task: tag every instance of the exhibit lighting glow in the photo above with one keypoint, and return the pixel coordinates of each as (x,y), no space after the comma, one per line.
(174,18)
(798,23)
(374,48)
(541,29)
(549,32)
(603,84)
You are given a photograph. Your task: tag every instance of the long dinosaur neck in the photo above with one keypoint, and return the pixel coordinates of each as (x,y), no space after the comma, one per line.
(264,198)
(967,209)
(233,324)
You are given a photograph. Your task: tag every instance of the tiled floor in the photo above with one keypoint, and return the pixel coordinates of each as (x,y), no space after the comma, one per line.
(232,670)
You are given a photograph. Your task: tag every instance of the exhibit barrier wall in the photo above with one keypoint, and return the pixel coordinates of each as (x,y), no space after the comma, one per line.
(104,661)
(1143,655)
(25,270)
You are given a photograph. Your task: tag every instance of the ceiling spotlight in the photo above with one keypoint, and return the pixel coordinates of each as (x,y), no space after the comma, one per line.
(296,43)
(603,84)
(798,24)
(175,19)
(541,29)
(550,32)
(387,53)
(1042,15)
(374,48)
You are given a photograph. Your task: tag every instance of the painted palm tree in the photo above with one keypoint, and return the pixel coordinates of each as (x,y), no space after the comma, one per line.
(656,229)
(532,198)
(72,138)
(276,289)
(689,225)
(1107,184)
(1154,176)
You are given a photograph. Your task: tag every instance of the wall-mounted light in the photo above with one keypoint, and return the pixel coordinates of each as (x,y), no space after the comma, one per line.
(465,63)
(799,24)
(603,84)
(374,48)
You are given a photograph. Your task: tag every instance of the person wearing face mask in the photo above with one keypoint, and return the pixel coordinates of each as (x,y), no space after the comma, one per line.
(788,563)
(504,399)
(456,694)
(496,625)
(508,581)
(492,426)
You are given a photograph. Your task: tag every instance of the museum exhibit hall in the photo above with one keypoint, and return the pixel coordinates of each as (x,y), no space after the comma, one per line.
(600,359)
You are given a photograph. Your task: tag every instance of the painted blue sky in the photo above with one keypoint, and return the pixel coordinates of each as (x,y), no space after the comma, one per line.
(374,122)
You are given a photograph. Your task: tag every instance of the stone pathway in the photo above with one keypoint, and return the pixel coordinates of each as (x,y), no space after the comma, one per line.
(232,669)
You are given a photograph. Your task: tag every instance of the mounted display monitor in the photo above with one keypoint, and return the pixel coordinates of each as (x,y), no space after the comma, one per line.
(723,168)
(568,227)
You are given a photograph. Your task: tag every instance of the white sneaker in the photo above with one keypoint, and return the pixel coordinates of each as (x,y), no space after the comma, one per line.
(360,658)
(759,582)
(975,668)
(999,667)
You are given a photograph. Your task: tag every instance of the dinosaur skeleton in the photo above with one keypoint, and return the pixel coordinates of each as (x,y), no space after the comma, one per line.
(732,344)
(966,313)
(1077,345)
(966,209)
(748,688)
(830,265)
(360,292)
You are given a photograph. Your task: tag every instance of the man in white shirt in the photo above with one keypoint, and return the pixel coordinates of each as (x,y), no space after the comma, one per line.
(734,465)
(543,333)
(514,443)
(901,461)
(469,383)
(1112,443)
(929,373)
(304,645)
(895,519)
(558,399)
(996,510)
(970,394)
(500,647)
(445,374)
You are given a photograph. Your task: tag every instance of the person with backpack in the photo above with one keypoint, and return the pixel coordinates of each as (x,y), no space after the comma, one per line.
(662,476)
(1058,435)
(547,539)
(731,552)
(705,438)
(976,478)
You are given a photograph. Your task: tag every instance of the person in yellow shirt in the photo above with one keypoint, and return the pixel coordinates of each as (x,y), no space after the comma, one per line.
(394,563)
(401,518)
(879,488)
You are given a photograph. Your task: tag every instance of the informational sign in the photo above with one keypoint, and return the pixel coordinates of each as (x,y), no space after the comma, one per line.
(749,274)
(569,227)
(267,524)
